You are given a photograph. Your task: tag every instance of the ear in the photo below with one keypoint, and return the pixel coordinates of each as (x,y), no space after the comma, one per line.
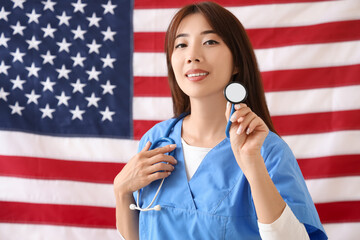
(235,71)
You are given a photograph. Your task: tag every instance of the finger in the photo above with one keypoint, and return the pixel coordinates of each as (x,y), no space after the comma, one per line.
(161,150)
(257,123)
(245,123)
(147,147)
(162,158)
(157,176)
(159,167)
(241,112)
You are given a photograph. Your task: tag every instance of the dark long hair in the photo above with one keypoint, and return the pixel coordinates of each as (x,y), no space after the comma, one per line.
(229,28)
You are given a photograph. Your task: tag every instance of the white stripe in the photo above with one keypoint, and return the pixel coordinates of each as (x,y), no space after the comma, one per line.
(341,231)
(56,192)
(11,231)
(261,16)
(279,103)
(334,189)
(82,149)
(281,58)
(313,100)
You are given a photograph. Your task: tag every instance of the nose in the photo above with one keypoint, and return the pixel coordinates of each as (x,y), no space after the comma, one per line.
(194,54)
(192,59)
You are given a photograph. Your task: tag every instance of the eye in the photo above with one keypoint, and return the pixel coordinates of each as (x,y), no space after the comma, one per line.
(180,45)
(211,42)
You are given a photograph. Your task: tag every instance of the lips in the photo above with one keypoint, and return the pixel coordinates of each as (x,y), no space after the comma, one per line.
(196,75)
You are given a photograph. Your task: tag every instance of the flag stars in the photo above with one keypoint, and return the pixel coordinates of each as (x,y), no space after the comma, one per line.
(49,5)
(4,68)
(78,86)
(48,31)
(93,74)
(78,33)
(63,72)
(108,34)
(64,19)
(78,60)
(107,114)
(63,99)
(33,43)
(18,3)
(93,47)
(3,40)
(48,58)
(64,46)
(108,88)
(79,6)
(108,61)
(4,14)
(33,71)
(108,8)
(33,17)
(3,94)
(94,20)
(32,97)
(48,85)
(77,113)
(18,29)
(16,109)
(92,100)
(18,83)
(47,112)
(18,56)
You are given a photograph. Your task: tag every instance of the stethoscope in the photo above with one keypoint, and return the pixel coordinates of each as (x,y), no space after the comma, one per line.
(235,93)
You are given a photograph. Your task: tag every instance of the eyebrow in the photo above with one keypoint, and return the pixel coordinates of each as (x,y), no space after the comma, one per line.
(202,33)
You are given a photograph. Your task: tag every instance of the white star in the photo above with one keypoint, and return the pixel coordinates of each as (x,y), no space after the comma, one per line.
(18,3)
(33,70)
(17,55)
(3,94)
(4,68)
(93,20)
(48,31)
(48,85)
(78,86)
(47,112)
(63,99)
(33,43)
(92,100)
(77,113)
(107,114)
(79,6)
(108,34)
(64,46)
(18,83)
(3,14)
(4,40)
(49,5)
(63,19)
(93,47)
(93,74)
(48,58)
(32,97)
(78,60)
(108,88)
(108,61)
(63,72)
(108,8)
(33,17)
(78,33)
(16,109)
(18,29)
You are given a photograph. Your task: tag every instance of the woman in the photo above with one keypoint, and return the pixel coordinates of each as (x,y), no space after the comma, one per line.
(245,187)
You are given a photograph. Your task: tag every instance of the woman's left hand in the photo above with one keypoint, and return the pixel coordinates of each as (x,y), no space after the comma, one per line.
(247,134)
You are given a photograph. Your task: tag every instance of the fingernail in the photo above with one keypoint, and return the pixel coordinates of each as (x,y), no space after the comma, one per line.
(228,105)
(172,145)
(233,118)
(237,106)
(238,132)
(248,131)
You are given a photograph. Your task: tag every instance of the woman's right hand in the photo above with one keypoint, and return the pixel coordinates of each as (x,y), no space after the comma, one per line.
(144,168)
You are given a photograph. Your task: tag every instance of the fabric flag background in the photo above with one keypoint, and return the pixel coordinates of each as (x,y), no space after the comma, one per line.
(81,81)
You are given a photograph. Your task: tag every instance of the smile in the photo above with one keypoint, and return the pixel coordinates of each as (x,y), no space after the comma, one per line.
(196,74)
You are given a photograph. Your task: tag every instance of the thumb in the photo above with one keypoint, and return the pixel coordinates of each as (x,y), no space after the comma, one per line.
(147,147)
(228,110)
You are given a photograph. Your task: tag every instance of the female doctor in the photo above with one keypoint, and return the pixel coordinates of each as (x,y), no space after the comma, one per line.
(248,186)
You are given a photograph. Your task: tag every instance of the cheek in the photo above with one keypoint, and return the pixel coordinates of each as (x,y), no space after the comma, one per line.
(176,65)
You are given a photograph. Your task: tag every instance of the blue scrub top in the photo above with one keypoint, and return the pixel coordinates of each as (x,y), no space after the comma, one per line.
(216,203)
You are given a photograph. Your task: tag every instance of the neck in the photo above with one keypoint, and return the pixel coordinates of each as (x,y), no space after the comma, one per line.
(205,126)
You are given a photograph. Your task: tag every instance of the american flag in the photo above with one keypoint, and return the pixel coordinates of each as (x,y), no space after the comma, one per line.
(82,81)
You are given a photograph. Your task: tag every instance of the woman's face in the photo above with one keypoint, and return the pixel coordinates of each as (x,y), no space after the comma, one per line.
(202,63)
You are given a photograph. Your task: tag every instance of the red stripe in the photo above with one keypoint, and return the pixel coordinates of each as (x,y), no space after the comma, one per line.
(317,122)
(44,168)
(145,4)
(338,212)
(331,166)
(54,214)
(270,37)
(282,80)
(141,127)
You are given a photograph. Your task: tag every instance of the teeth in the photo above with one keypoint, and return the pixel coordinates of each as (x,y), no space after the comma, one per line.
(196,74)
